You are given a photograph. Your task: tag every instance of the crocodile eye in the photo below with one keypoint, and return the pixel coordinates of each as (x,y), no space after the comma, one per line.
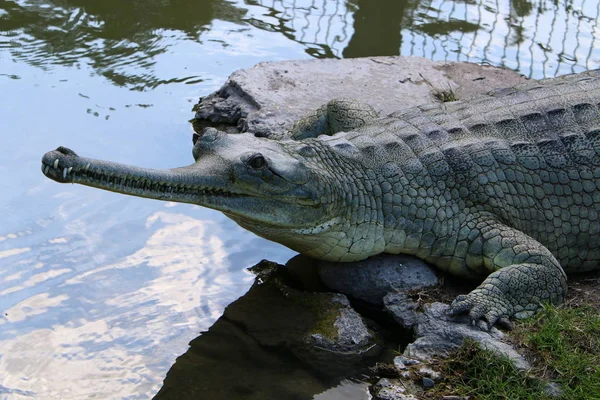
(257,161)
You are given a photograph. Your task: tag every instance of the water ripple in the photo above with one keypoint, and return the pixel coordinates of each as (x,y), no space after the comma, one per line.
(120,41)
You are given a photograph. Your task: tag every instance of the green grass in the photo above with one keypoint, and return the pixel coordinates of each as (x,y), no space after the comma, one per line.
(484,375)
(566,343)
(445,95)
(563,344)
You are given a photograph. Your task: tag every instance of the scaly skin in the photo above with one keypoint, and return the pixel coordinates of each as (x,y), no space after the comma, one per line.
(505,186)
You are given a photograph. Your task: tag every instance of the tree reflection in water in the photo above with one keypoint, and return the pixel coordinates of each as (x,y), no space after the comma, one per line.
(118,39)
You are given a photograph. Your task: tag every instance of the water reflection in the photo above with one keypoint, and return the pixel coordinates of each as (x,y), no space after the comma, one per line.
(374,20)
(119,39)
(261,349)
(110,324)
(533,37)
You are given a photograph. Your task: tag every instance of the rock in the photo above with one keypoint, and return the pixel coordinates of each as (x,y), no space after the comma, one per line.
(350,335)
(390,389)
(399,364)
(428,372)
(346,390)
(438,334)
(324,321)
(385,382)
(304,271)
(427,383)
(407,361)
(401,308)
(371,279)
(553,390)
(269,97)
(405,374)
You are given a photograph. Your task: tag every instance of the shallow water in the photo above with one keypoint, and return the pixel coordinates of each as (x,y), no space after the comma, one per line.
(99,292)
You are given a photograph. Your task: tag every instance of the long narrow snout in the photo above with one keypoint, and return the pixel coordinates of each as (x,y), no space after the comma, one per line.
(185,184)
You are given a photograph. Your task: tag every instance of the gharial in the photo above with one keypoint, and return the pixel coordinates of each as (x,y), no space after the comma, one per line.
(505,186)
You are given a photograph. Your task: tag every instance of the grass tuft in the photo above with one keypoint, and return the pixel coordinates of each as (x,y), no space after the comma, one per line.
(445,95)
(563,345)
(566,347)
(485,375)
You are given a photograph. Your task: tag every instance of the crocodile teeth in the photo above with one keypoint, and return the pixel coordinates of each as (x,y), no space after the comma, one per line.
(46,170)
(56,163)
(64,172)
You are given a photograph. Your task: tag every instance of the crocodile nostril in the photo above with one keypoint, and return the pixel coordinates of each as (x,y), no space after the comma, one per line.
(66,151)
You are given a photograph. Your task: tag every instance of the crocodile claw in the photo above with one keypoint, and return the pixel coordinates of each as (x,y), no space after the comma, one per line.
(485,308)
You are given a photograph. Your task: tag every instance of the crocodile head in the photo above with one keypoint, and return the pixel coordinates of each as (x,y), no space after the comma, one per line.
(254,181)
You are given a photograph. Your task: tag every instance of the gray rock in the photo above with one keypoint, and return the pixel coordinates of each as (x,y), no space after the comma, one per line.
(346,390)
(385,382)
(428,372)
(371,279)
(407,361)
(439,334)
(428,383)
(390,389)
(401,308)
(269,97)
(352,335)
(399,364)
(309,323)
(553,390)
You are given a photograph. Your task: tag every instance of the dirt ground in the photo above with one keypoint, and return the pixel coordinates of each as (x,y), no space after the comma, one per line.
(584,289)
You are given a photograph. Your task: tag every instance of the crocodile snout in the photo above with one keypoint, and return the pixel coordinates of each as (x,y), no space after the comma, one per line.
(58,164)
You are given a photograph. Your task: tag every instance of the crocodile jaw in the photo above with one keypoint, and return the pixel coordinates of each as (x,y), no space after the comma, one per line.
(200,183)
(183,185)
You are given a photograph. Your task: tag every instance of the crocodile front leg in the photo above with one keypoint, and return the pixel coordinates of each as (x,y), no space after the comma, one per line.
(526,274)
(336,116)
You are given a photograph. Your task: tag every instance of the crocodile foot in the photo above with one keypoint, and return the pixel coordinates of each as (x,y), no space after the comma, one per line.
(486,307)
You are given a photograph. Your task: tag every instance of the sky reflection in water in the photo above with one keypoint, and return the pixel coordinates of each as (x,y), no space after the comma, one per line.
(101,292)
